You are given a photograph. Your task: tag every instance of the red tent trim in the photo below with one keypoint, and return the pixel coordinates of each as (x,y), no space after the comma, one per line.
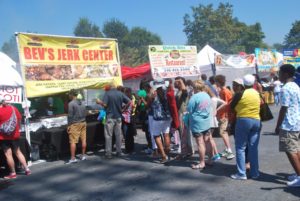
(129,73)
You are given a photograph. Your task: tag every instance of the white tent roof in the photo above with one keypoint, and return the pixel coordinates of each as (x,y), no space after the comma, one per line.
(206,56)
(9,75)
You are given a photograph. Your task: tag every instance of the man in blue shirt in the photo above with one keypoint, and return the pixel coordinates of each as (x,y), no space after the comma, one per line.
(288,124)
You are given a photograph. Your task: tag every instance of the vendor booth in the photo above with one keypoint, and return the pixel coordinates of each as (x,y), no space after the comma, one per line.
(52,66)
(132,76)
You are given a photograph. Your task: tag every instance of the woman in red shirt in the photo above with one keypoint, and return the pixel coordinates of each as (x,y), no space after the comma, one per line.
(10,143)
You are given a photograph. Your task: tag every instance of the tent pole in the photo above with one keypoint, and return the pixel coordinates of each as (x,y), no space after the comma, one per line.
(26,108)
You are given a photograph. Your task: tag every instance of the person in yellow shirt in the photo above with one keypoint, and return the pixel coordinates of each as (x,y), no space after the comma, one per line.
(247,129)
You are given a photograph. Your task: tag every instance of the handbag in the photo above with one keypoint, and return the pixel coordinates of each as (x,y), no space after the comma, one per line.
(265,112)
(8,127)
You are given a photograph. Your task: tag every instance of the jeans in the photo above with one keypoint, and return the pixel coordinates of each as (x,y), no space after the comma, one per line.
(113,126)
(247,132)
(277,97)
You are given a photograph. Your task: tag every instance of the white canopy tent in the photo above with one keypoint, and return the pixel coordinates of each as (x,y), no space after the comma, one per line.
(9,75)
(206,59)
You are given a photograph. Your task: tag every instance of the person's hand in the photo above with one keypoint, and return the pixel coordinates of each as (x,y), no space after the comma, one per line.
(183,87)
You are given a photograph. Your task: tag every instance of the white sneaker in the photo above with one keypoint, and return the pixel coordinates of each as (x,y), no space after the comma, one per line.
(71,161)
(82,158)
(292,177)
(238,177)
(294,183)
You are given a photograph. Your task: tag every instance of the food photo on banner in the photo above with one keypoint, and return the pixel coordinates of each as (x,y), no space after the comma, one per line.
(266,60)
(291,56)
(51,66)
(169,61)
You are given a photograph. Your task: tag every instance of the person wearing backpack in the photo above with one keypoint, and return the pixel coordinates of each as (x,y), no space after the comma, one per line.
(10,119)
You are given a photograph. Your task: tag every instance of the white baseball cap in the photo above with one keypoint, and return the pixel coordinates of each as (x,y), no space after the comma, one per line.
(249,80)
(155,84)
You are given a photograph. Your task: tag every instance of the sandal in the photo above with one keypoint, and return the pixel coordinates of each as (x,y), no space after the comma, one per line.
(164,160)
(198,167)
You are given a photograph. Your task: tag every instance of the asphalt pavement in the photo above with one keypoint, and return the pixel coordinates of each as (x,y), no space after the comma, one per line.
(139,177)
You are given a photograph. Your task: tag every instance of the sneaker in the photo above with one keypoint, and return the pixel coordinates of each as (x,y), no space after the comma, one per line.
(11,176)
(294,183)
(229,156)
(223,153)
(82,158)
(71,161)
(238,177)
(27,172)
(216,157)
(292,177)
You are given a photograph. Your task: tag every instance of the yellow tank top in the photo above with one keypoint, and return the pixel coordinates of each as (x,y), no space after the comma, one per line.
(249,105)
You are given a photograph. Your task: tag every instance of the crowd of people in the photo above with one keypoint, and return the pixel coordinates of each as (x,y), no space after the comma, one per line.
(187,110)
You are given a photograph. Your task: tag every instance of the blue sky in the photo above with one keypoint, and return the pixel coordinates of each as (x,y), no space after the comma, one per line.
(163,17)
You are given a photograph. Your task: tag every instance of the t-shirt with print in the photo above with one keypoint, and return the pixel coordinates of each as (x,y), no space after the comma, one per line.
(200,114)
(114,100)
(226,95)
(290,98)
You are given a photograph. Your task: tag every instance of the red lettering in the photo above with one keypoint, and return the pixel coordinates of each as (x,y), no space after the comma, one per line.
(110,55)
(85,55)
(76,55)
(34,53)
(70,54)
(27,53)
(41,52)
(50,54)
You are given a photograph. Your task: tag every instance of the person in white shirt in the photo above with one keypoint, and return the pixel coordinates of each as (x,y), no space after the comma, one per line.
(277,89)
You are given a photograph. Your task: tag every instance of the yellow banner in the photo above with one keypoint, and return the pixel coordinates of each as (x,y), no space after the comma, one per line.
(56,64)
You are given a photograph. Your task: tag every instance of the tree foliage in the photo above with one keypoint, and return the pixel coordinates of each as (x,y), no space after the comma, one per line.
(292,39)
(87,29)
(220,29)
(133,44)
(10,48)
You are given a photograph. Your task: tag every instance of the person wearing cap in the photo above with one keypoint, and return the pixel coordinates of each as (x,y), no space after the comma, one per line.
(247,129)
(288,123)
(161,117)
(114,102)
(76,125)
(10,143)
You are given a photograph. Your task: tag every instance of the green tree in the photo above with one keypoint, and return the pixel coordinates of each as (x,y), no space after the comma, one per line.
(220,29)
(292,39)
(87,29)
(136,44)
(278,46)
(114,28)
(10,48)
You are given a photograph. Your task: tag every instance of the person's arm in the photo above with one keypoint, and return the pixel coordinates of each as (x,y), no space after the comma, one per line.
(100,102)
(220,104)
(285,102)
(281,116)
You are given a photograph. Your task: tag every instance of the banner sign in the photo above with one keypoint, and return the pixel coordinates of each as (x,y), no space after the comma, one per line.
(235,61)
(56,64)
(168,61)
(291,56)
(266,60)
(11,94)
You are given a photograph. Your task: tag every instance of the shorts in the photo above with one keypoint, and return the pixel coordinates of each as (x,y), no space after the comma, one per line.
(223,123)
(6,144)
(197,134)
(289,141)
(159,127)
(76,131)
